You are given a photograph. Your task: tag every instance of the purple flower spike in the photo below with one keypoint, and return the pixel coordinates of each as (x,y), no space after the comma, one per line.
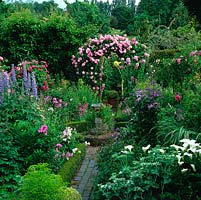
(13,74)
(1,88)
(34,86)
(26,79)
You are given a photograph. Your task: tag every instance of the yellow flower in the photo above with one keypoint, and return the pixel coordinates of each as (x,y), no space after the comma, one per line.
(116,63)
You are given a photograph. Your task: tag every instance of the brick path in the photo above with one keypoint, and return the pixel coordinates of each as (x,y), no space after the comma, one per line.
(84,180)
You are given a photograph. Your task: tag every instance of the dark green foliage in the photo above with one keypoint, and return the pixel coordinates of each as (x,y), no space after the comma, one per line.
(24,35)
(122,17)
(105,7)
(86,14)
(160,11)
(57,40)
(140,25)
(145,104)
(194,8)
(18,36)
(80,126)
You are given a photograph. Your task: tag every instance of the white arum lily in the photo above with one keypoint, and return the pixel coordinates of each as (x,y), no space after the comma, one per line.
(184,170)
(129,147)
(146,148)
(193,167)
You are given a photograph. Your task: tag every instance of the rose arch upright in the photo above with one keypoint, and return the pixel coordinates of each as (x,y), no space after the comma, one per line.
(128,55)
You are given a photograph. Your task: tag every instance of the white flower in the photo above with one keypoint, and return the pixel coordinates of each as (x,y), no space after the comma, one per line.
(146,148)
(178,147)
(179,157)
(199,151)
(74,150)
(180,163)
(162,151)
(188,154)
(129,147)
(192,149)
(175,146)
(184,170)
(193,167)
(125,152)
(188,142)
(51,109)
(87,143)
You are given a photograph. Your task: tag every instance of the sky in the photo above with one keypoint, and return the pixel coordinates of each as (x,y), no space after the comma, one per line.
(61,3)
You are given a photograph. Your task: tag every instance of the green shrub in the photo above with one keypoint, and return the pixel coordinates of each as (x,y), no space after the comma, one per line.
(71,166)
(171,126)
(144,104)
(40,184)
(108,164)
(161,173)
(71,194)
(18,37)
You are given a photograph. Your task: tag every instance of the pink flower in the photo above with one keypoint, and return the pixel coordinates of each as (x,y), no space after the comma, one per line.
(1,58)
(102,87)
(43,129)
(146,54)
(143,61)
(134,41)
(192,53)
(178,98)
(137,65)
(136,58)
(56,155)
(68,155)
(59,145)
(178,60)
(199,53)
(128,61)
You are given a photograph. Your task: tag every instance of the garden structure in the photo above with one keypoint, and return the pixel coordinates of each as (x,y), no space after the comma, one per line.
(96,109)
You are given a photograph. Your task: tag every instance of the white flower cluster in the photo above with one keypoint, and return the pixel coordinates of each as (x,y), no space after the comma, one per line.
(67,133)
(189,148)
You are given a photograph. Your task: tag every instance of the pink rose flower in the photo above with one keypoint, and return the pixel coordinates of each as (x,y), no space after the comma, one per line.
(178,98)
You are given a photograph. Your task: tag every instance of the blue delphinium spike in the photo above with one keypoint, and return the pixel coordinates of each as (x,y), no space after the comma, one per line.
(13,74)
(6,80)
(1,88)
(34,86)
(26,80)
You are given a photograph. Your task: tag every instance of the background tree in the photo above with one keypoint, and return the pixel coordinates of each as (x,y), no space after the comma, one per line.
(122,17)
(105,7)
(117,3)
(85,14)
(159,10)
(140,26)
(194,7)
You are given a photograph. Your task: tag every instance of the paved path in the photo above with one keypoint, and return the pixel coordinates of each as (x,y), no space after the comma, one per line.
(84,180)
